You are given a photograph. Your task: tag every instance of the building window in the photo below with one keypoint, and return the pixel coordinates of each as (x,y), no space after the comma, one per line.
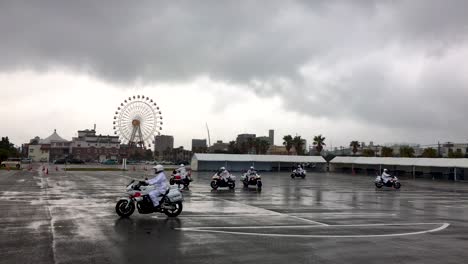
(31,150)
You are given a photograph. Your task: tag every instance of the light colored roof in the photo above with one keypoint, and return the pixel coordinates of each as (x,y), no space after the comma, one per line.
(420,162)
(258,158)
(52,138)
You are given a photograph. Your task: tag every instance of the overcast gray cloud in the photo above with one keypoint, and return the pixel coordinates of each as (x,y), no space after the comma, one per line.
(397,64)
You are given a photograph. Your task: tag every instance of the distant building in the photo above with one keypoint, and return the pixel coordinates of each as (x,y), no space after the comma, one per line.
(163,143)
(271,135)
(219,147)
(91,147)
(267,139)
(199,146)
(49,149)
(277,150)
(244,138)
(180,155)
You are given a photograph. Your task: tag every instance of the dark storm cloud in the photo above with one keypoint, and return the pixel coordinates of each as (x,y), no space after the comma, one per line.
(264,46)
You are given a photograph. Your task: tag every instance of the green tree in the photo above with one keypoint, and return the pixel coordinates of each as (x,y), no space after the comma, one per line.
(355,145)
(298,143)
(455,154)
(387,152)
(406,152)
(261,146)
(7,149)
(233,148)
(429,153)
(251,145)
(288,143)
(368,153)
(319,142)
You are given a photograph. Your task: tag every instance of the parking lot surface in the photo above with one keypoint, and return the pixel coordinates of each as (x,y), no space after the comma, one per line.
(325,218)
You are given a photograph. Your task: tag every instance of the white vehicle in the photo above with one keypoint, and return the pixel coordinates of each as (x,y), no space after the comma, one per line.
(393,182)
(252,179)
(138,196)
(217,181)
(11,163)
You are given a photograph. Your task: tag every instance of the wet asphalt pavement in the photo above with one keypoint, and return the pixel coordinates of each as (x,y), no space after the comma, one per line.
(325,218)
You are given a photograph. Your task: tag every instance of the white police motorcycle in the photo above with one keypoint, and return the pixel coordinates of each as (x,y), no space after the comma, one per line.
(138,196)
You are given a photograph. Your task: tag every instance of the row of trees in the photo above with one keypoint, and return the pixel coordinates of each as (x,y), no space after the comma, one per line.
(7,149)
(253,145)
(299,144)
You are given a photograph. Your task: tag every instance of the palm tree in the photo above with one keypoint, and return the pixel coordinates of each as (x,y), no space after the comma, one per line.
(232,147)
(319,142)
(288,143)
(298,143)
(355,145)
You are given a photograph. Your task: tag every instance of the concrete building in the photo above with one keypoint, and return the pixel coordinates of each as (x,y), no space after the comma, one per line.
(219,147)
(199,146)
(271,136)
(244,138)
(163,143)
(39,152)
(91,147)
(240,162)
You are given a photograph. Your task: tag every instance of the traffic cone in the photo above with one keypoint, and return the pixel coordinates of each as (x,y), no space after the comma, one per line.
(47,171)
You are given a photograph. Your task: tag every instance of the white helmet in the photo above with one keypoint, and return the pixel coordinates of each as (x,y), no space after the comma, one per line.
(222,168)
(385,170)
(182,165)
(252,167)
(158,168)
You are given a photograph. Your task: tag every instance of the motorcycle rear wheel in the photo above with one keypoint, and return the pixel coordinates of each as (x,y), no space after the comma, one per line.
(123,210)
(379,185)
(171,181)
(174,212)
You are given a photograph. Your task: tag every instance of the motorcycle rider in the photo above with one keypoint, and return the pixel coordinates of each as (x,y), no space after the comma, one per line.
(299,169)
(160,183)
(182,171)
(386,176)
(251,171)
(223,173)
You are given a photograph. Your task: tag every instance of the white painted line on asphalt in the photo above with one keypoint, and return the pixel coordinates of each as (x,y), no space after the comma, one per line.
(208,230)
(274,212)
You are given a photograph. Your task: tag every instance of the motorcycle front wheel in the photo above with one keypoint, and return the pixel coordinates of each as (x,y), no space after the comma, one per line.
(292,176)
(397,185)
(214,185)
(124,209)
(175,211)
(171,181)
(232,185)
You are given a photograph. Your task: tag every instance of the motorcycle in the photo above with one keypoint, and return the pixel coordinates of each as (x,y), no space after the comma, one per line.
(393,182)
(298,174)
(176,178)
(217,181)
(138,196)
(252,179)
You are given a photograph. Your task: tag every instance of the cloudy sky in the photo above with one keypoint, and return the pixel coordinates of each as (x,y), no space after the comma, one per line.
(382,71)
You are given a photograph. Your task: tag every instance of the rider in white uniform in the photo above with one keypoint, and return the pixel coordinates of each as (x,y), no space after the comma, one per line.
(223,173)
(386,176)
(182,171)
(160,183)
(251,171)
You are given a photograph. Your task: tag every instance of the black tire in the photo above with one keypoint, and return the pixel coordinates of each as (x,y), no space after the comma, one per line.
(303,176)
(214,185)
(246,185)
(293,176)
(397,185)
(379,185)
(17,166)
(171,181)
(232,185)
(176,211)
(259,185)
(122,211)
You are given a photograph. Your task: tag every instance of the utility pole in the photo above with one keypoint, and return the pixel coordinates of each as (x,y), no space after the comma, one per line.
(438,149)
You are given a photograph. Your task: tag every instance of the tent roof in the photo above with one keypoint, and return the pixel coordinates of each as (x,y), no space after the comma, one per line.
(420,162)
(258,158)
(52,138)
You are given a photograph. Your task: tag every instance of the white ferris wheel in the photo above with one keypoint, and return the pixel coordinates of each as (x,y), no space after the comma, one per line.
(137,120)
